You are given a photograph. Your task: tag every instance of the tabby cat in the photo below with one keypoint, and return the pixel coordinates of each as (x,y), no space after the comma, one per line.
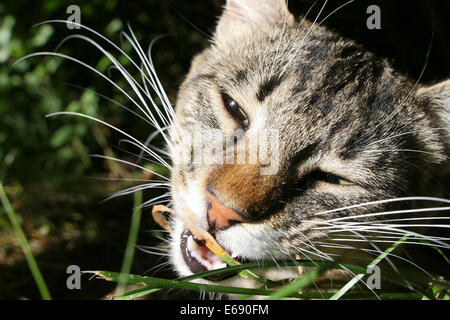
(361,150)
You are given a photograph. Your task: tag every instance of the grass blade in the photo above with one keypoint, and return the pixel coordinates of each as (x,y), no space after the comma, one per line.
(359,276)
(437,249)
(158,283)
(45,294)
(132,239)
(151,283)
(292,288)
(131,295)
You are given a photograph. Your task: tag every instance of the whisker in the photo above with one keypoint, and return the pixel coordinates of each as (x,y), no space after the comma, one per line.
(167,184)
(131,81)
(374,252)
(149,151)
(159,159)
(394,235)
(394,220)
(405,133)
(158,88)
(305,37)
(134,190)
(385,213)
(391,242)
(129,163)
(153,201)
(419,198)
(334,11)
(396,110)
(110,100)
(401,150)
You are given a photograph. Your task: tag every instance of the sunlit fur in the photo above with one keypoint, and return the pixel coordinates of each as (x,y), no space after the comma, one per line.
(339,109)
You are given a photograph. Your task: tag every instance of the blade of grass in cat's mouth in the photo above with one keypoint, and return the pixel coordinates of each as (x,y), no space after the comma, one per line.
(199,258)
(200,250)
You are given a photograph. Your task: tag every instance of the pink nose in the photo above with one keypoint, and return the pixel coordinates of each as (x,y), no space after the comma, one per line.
(220,216)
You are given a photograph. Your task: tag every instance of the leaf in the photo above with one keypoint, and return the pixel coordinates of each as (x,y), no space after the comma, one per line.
(441,289)
(42,35)
(89,103)
(114,26)
(61,136)
(5,37)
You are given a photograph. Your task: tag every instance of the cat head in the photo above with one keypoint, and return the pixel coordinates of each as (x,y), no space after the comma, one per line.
(340,128)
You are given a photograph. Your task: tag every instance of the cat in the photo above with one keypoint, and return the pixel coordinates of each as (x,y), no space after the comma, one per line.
(361,149)
(290,142)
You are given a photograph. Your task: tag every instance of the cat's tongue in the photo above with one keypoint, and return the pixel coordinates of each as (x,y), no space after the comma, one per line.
(199,258)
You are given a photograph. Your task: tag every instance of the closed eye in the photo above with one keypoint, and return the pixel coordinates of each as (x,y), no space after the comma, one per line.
(312,179)
(235,111)
(334,179)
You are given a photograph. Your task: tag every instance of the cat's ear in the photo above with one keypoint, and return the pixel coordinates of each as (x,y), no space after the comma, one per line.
(240,15)
(438,98)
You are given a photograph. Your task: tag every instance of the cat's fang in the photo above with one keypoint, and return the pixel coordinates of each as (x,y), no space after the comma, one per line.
(203,255)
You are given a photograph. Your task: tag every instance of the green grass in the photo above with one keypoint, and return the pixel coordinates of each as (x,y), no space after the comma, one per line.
(34,268)
(304,287)
(360,276)
(295,289)
(300,288)
(132,240)
(291,290)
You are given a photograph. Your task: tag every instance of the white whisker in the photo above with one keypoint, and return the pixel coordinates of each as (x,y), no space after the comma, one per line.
(385,213)
(419,198)
(334,11)
(131,164)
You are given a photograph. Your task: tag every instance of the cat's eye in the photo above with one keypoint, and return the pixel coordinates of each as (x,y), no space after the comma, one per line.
(235,110)
(334,179)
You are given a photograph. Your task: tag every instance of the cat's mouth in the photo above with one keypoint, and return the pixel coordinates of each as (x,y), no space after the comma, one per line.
(199,258)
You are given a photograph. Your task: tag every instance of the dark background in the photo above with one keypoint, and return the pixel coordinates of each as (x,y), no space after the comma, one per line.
(44,162)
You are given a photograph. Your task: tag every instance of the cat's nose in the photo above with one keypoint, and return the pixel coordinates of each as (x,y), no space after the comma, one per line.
(219,215)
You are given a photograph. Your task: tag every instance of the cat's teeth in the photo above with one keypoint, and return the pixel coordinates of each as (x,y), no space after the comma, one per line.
(209,260)
(191,245)
(222,265)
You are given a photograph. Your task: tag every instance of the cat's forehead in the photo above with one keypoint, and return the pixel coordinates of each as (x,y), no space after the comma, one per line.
(322,75)
(312,86)
(278,45)
(308,60)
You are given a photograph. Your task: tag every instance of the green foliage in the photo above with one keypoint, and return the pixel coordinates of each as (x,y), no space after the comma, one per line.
(41,85)
(44,161)
(24,244)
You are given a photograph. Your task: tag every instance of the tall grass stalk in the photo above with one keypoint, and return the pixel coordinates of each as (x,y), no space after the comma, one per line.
(45,294)
(132,240)
(358,277)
